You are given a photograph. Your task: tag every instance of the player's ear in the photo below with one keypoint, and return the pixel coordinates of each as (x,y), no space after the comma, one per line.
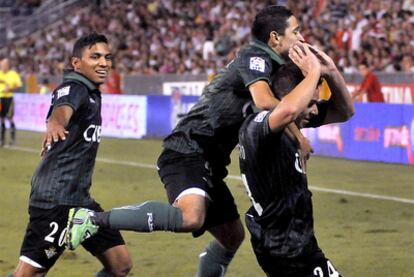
(274,38)
(75,61)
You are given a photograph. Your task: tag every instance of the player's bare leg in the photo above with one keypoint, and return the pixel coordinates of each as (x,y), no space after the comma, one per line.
(24,269)
(116,262)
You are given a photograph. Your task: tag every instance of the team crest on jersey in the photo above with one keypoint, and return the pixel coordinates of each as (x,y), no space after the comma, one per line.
(257,63)
(63,91)
(50,252)
(261,116)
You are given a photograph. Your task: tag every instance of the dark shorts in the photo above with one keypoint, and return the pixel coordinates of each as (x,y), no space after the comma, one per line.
(44,241)
(311,263)
(6,107)
(180,171)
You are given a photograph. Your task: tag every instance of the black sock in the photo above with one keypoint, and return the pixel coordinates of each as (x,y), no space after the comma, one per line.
(13,132)
(3,132)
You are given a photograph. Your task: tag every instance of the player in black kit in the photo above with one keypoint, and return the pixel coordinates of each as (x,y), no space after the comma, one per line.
(280,219)
(193,163)
(63,178)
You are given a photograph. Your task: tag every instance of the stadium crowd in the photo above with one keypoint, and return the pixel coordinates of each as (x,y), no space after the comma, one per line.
(196,37)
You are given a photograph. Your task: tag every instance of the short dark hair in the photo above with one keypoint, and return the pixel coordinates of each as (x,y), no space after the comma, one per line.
(271,18)
(287,77)
(87,41)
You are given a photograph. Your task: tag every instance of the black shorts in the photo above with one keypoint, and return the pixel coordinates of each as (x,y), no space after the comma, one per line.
(311,263)
(6,107)
(44,241)
(180,171)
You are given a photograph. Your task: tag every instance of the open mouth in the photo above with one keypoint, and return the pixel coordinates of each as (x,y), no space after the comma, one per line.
(102,73)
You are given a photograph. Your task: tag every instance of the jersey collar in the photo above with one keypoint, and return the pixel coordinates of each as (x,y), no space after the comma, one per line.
(273,55)
(70,74)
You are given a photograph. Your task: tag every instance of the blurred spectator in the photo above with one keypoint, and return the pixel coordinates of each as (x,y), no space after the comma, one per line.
(407,64)
(112,83)
(44,86)
(370,86)
(174,36)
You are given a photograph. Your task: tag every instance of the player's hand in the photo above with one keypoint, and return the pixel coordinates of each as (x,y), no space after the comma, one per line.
(54,133)
(305,147)
(327,64)
(302,56)
(305,151)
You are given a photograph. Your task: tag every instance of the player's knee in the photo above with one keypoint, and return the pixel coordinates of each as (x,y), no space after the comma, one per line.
(120,270)
(192,221)
(124,268)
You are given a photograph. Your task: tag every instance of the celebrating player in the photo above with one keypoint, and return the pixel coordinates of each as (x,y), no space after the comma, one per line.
(280,219)
(63,177)
(193,163)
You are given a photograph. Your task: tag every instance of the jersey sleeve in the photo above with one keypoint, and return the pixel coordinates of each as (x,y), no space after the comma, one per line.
(255,128)
(254,67)
(71,94)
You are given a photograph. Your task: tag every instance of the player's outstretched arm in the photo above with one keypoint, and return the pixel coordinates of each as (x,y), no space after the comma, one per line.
(56,127)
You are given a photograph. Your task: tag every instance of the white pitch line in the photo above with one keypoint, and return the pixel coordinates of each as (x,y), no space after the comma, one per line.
(233,177)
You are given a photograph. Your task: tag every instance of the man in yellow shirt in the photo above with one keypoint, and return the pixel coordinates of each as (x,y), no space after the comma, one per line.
(10,81)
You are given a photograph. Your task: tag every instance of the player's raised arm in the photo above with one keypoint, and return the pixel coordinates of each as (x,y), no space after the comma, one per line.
(296,101)
(340,105)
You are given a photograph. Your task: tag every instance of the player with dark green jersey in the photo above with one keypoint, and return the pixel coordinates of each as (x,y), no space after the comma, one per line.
(280,219)
(64,176)
(192,165)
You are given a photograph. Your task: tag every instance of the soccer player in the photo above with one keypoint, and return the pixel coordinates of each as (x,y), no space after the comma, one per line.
(63,178)
(10,81)
(280,219)
(193,163)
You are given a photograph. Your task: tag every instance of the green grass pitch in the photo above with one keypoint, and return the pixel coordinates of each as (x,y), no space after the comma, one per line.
(363,234)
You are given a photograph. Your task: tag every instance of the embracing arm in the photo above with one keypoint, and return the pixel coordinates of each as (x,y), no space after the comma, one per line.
(56,127)
(264,99)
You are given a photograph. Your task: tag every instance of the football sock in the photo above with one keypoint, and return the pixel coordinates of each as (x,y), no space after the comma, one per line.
(13,132)
(2,132)
(214,260)
(146,217)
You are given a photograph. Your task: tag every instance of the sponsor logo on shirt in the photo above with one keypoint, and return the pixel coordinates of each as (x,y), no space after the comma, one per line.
(259,118)
(93,133)
(63,91)
(257,63)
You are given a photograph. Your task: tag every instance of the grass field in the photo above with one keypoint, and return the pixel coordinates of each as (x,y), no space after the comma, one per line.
(368,233)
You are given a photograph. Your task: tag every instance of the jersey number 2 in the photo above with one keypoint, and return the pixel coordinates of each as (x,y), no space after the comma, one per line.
(50,237)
